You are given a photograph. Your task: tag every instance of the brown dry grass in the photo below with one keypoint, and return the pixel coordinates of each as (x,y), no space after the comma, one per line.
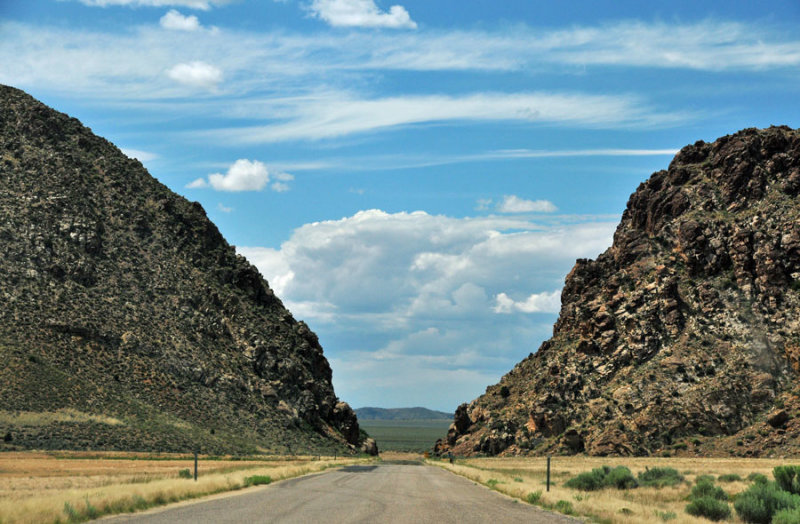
(35,486)
(518,477)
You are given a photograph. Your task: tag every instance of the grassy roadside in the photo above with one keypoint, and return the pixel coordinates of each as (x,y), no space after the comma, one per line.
(52,494)
(524,479)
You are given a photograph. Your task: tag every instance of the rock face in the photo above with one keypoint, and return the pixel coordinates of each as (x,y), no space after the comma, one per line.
(686,328)
(128,322)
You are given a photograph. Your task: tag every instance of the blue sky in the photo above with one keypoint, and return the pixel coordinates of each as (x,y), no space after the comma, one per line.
(413,179)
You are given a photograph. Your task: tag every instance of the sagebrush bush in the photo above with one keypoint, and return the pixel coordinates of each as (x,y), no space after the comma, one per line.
(185,474)
(589,481)
(761,501)
(704,478)
(758,478)
(709,507)
(730,477)
(708,489)
(619,477)
(788,478)
(787,516)
(660,477)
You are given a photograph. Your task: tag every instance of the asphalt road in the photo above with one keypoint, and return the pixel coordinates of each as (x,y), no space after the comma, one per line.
(375,494)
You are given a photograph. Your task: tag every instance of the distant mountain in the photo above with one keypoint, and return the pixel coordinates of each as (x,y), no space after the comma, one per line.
(129,323)
(684,336)
(401,414)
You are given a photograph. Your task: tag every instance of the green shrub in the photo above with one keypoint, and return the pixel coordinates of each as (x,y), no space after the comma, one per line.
(492,483)
(788,478)
(709,508)
(704,478)
(787,516)
(758,478)
(660,477)
(534,497)
(621,478)
(707,489)
(730,477)
(665,515)
(185,474)
(565,507)
(257,480)
(761,501)
(589,481)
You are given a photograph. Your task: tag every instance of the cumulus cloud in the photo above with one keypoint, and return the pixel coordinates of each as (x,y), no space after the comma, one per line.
(361,13)
(428,292)
(514,204)
(244,175)
(196,74)
(543,302)
(176,21)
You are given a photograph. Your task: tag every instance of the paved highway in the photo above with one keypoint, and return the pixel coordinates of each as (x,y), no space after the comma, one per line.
(385,493)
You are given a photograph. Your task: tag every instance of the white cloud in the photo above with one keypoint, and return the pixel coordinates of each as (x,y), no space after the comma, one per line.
(198,183)
(543,302)
(141,156)
(404,294)
(244,175)
(224,208)
(192,4)
(336,114)
(361,13)
(176,21)
(130,66)
(196,74)
(514,204)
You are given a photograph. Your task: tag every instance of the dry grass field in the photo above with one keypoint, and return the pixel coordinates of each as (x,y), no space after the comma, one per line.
(75,486)
(518,477)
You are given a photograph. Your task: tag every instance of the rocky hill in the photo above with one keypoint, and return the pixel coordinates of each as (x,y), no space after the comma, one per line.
(128,322)
(684,336)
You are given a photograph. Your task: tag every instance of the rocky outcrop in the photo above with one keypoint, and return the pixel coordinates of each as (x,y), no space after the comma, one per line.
(120,298)
(685,329)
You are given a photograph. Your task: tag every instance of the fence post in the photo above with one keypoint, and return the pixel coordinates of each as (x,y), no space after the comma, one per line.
(548,472)
(195,466)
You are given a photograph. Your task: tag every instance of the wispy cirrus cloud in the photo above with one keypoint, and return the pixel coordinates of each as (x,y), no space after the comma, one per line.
(204,5)
(337,114)
(124,65)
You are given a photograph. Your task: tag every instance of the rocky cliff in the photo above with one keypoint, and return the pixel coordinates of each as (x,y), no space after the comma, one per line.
(128,322)
(684,336)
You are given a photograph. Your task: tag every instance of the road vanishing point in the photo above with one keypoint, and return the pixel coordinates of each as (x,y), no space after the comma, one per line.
(383,493)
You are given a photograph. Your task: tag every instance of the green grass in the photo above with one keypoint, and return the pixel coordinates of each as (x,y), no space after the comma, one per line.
(405,435)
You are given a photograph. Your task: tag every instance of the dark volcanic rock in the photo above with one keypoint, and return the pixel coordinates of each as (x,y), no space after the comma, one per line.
(121,299)
(688,327)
